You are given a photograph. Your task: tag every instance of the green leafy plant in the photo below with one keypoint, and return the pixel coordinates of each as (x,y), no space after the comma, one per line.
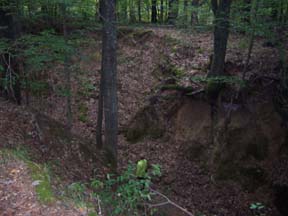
(83,113)
(258,208)
(87,89)
(76,191)
(124,194)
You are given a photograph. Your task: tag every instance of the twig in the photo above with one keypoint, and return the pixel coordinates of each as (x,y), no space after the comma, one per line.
(158,204)
(168,201)
(99,206)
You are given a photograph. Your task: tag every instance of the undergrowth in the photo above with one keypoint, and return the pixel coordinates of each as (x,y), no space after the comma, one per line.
(127,193)
(40,174)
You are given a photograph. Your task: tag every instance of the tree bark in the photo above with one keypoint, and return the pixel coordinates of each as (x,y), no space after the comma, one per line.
(194,14)
(252,21)
(154,11)
(161,11)
(109,68)
(99,139)
(221,33)
(11,64)
(67,71)
(139,11)
(221,10)
(185,11)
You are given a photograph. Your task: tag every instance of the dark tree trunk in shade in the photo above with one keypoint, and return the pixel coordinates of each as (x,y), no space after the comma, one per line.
(221,10)
(185,11)
(161,11)
(97,11)
(154,11)
(221,32)
(67,73)
(139,11)
(194,14)
(11,63)
(99,127)
(109,69)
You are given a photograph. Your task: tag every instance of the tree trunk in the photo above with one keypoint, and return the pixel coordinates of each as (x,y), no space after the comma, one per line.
(221,10)
(109,68)
(139,11)
(253,20)
(67,72)
(10,20)
(162,11)
(173,11)
(221,32)
(154,11)
(185,11)
(194,14)
(99,139)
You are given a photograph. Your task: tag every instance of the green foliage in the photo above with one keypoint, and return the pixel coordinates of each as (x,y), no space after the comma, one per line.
(47,47)
(258,209)
(219,79)
(19,153)
(77,191)
(41,177)
(87,89)
(122,195)
(257,206)
(83,113)
(4,46)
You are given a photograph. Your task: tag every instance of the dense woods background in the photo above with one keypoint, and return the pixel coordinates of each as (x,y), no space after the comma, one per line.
(64,59)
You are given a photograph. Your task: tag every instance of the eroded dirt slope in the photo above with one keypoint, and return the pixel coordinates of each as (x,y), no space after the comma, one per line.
(146,60)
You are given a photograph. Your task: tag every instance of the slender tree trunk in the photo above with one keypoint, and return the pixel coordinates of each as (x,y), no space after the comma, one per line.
(286,16)
(161,11)
(101,5)
(194,14)
(221,10)
(139,11)
(10,20)
(99,139)
(109,68)
(167,10)
(154,11)
(253,18)
(185,11)
(67,71)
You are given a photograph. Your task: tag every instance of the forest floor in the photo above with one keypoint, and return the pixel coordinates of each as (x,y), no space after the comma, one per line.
(147,59)
(18,192)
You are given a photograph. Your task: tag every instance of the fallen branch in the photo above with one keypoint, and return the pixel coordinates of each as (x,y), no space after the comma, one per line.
(167,202)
